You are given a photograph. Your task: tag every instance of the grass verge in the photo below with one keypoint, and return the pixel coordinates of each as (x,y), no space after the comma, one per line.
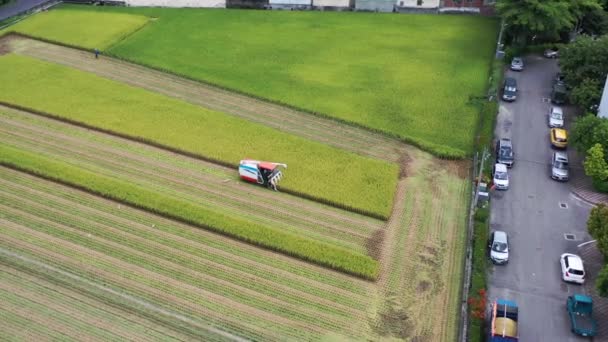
(354,67)
(88,30)
(316,171)
(306,249)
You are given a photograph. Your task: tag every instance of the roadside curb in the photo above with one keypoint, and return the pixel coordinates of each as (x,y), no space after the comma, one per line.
(581,190)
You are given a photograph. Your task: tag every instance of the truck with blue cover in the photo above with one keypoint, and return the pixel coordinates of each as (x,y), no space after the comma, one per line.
(503,325)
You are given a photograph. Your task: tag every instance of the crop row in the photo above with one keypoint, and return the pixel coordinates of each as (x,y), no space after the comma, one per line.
(288,213)
(143,263)
(101,244)
(200,243)
(19,283)
(126,222)
(304,248)
(315,170)
(216,278)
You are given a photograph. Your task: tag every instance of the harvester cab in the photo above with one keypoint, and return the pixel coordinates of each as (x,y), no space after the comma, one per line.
(261,172)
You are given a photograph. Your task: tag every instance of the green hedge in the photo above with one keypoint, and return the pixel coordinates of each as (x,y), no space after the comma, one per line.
(302,248)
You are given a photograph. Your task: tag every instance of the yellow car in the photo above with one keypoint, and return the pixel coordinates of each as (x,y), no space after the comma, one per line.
(559,137)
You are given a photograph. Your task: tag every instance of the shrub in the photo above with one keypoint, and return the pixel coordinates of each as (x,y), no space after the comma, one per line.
(601,282)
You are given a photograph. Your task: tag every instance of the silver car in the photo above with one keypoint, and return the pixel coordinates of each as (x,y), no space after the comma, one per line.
(517,64)
(550,53)
(499,247)
(556,117)
(559,166)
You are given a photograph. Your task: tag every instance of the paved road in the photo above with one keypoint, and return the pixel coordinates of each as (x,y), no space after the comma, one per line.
(17,7)
(531,214)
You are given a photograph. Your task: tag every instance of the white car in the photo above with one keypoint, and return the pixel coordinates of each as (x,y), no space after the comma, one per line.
(550,53)
(501,177)
(499,247)
(556,118)
(572,268)
(517,64)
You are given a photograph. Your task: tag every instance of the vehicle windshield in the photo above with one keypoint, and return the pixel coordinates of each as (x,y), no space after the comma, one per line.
(577,272)
(499,247)
(561,165)
(506,153)
(501,175)
(511,89)
(556,115)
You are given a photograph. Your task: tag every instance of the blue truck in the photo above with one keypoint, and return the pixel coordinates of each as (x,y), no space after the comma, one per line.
(580,310)
(503,327)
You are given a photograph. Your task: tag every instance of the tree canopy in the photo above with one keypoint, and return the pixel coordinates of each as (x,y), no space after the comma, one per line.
(527,19)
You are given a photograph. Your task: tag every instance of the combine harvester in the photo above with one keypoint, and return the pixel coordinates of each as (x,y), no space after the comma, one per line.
(264,173)
(504,321)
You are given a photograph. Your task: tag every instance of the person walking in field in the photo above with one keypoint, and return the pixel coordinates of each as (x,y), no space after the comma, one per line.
(96,51)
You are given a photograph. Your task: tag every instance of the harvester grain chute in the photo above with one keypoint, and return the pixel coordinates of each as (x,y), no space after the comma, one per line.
(264,173)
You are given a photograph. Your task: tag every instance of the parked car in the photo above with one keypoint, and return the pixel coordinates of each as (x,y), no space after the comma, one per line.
(499,247)
(551,53)
(580,311)
(504,152)
(509,92)
(501,176)
(572,268)
(559,79)
(517,64)
(559,137)
(560,170)
(556,117)
(559,93)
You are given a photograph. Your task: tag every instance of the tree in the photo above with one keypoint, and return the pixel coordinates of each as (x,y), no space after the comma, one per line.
(597,224)
(595,163)
(587,94)
(601,282)
(527,18)
(585,58)
(588,131)
(595,23)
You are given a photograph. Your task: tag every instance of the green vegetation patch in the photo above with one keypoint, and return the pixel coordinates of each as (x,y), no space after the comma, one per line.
(410,76)
(81,28)
(303,248)
(317,170)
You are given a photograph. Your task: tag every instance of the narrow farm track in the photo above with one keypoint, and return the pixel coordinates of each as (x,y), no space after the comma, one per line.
(316,128)
(191,271)
(160,170)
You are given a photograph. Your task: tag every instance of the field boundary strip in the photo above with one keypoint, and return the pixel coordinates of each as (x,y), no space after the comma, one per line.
(188,154)
(129,298)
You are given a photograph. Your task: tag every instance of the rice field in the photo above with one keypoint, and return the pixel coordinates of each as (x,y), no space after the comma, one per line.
(408,76)
(206,278)
(121,214)
(366,184)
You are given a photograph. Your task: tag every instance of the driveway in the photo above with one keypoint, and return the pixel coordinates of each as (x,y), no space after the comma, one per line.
(17,7)
(536,212)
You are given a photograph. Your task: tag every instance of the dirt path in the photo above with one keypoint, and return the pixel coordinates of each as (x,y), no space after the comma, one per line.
(303,124)
(157,171)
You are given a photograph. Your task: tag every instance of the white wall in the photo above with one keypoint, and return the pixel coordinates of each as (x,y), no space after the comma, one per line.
(603,110)
(177,3)
(291,2)
(331,3)
(414,3)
